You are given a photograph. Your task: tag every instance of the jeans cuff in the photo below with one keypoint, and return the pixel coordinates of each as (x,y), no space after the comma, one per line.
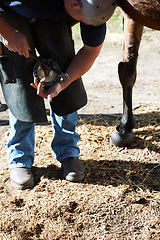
(67,156)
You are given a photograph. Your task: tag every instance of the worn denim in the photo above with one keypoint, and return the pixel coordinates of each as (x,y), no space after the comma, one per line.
(20,148)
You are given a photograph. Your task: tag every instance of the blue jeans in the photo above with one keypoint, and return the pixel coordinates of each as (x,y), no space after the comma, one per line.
(20,148)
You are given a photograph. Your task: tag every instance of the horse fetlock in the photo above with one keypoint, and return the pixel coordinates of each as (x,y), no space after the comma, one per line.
(127,126)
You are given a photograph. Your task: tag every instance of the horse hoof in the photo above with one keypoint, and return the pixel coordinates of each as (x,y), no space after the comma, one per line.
(121,140)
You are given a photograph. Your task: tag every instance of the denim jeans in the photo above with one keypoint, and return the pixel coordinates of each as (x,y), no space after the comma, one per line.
(20,148)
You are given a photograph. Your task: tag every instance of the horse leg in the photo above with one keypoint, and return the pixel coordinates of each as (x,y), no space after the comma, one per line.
(123,136)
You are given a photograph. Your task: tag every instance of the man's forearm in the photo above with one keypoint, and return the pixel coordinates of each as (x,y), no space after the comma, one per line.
(82,62)
(5,29)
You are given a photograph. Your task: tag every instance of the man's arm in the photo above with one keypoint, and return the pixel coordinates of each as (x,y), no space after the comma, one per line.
(83,61)
(80,64)
(13,39)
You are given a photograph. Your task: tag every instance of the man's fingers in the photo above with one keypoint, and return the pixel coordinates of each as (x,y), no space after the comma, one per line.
(33,85)
(36,82)
(40,85)
(49,98)
(26,54)
(40,89)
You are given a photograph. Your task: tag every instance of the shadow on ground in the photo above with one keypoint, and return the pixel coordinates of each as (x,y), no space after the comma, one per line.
(107,172)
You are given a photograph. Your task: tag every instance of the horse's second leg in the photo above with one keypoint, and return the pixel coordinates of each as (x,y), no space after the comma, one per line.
(123,136)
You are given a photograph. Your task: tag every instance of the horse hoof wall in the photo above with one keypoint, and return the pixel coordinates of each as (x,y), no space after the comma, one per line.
(121,140)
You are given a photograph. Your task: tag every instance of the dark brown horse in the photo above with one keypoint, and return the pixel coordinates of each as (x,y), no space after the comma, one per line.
(137,13)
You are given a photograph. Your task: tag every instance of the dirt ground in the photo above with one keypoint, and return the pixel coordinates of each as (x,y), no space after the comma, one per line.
(120,195)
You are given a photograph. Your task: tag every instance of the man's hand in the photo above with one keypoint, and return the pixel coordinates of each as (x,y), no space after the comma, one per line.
(17,42)
(13,39)
(49,92)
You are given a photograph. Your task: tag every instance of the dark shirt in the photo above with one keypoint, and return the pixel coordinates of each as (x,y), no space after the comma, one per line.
(54,9)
